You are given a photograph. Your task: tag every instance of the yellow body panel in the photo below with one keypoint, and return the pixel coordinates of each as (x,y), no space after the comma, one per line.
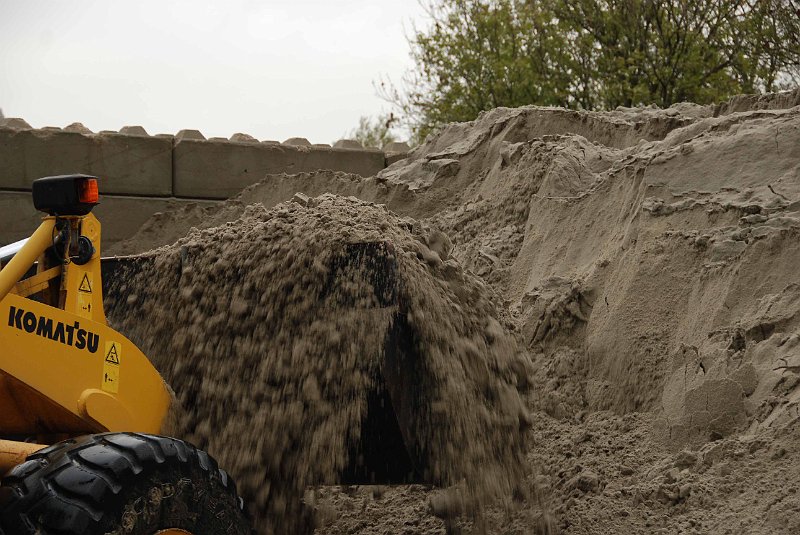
(70,356)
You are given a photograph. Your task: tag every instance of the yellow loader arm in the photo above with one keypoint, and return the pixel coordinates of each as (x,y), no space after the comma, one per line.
(63,370)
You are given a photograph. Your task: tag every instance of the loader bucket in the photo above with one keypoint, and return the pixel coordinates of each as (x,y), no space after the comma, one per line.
(386,452)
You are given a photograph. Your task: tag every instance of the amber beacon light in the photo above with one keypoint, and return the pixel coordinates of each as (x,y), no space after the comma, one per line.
(66,195)
(88,191)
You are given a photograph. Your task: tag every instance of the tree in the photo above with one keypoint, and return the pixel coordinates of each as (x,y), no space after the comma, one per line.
(374,132)
(664,52)
(773,61)
(479,55)
(589,54)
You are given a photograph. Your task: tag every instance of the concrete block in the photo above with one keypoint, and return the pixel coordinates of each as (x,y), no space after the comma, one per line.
(216,170)
(189,134)
(271,142)
(15,123)
(77,127)
(131,165)
(297,142)
(18,217)
(133,131)
(348,144)
(120,216)
(301,198)
(397,146)
(243,138)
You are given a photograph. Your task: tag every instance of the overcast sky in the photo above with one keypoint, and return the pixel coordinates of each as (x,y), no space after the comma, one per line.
(273,69)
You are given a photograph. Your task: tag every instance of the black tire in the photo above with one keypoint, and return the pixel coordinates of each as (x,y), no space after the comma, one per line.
(120,483)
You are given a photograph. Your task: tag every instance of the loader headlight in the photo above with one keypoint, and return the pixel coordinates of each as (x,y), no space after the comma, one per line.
(65,194)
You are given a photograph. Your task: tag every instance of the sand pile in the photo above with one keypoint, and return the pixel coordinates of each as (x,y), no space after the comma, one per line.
(646,263)
(272,332)
(655,278)
(633,266)
(165,228)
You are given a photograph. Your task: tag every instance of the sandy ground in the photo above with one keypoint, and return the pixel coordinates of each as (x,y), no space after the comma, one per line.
(645,263)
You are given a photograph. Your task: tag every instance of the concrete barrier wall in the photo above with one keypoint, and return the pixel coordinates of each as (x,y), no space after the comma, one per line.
(142,174)
(120,216)
(139,165)
(217,169)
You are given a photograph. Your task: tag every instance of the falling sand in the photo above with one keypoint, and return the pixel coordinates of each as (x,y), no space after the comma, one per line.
(273,332)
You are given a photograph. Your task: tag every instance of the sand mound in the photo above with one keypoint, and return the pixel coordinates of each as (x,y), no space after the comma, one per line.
(165,228)
(630,256)
(273,357)
(646,263)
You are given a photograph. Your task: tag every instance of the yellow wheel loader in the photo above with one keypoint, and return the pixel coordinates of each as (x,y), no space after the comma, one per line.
(80,406)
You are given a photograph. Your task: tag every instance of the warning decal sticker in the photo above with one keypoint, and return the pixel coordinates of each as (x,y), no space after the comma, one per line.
(85,305)
(86,284)
(111,367)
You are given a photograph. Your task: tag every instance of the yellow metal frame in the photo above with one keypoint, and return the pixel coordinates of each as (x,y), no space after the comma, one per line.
(87,371)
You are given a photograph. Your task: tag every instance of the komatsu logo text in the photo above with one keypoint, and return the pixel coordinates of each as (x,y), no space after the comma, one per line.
(71,335)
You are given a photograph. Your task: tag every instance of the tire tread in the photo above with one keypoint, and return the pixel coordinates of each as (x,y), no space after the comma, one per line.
(67,488)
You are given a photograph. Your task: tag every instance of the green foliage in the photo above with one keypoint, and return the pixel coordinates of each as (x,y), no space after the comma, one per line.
(590,54)
(374,132)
